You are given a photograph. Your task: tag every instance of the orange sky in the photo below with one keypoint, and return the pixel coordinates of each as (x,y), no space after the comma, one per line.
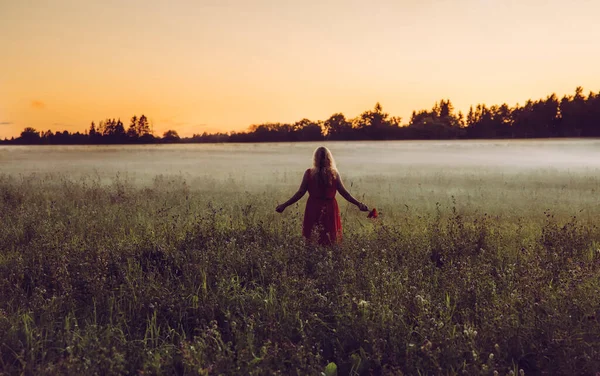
(221,65)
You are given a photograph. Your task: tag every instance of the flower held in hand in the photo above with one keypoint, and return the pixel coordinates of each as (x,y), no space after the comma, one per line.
(372,213)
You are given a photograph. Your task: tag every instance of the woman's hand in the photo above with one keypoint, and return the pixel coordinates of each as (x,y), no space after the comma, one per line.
(280,208)
(362,207)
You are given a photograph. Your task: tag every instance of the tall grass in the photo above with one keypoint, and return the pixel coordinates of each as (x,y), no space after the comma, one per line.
(180,278)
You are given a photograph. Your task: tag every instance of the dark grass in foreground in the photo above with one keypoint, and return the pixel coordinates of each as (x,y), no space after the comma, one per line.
(165,280)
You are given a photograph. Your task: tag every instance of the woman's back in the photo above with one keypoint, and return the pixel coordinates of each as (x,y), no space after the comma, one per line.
(322,214)
(320,188)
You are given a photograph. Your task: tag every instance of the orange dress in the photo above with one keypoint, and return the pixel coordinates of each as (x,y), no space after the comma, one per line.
(322,214)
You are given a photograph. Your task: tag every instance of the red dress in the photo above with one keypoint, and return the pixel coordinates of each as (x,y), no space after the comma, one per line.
(322,214)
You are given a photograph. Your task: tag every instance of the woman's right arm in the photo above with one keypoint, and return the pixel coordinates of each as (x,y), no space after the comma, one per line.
(297,196)
(345,194)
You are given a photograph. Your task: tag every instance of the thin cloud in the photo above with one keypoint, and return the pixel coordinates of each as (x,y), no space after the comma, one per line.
(62,125)
(193,126)
(170,120)
(39,105)
(6,122)
(172,123)
(184,124)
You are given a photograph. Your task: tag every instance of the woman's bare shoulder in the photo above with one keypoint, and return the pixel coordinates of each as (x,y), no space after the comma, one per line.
(307,174)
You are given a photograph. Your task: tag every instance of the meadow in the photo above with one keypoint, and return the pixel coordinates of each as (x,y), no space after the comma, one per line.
(170,259)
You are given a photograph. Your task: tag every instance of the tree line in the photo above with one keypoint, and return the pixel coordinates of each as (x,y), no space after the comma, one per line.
(574,115)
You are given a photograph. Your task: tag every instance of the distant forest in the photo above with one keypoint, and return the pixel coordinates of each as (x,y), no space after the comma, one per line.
(571,116)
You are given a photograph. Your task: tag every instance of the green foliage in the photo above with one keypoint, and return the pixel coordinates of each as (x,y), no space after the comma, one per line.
(165,279)
(331,369)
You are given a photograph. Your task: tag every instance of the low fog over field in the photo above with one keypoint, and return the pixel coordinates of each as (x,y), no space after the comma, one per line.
(257,161)
(495,176)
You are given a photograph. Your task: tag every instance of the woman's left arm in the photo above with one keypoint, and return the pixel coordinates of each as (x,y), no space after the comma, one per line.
(297,196)
(345,194)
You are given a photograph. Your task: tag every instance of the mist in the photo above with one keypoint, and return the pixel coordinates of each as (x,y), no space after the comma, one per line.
(261,162)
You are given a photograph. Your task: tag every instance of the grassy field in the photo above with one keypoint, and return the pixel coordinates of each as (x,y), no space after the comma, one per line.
(468,270)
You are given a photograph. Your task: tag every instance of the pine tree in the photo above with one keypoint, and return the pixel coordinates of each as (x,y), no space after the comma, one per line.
(132,130)
(143,128)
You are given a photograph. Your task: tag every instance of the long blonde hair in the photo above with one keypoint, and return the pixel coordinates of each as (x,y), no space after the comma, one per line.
(324,166)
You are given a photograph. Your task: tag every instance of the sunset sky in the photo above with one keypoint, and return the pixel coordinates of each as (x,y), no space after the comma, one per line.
(221,65)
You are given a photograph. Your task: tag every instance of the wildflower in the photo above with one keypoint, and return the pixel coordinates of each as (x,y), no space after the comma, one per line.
(426,345)
(372,213)
(470,333)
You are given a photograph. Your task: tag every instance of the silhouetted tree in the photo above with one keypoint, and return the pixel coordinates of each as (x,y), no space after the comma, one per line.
(337,127)
(438,123)
(307,130)
(171,136)
(30,136)
(143,128)
(373,124)
(119,130)
(132,131)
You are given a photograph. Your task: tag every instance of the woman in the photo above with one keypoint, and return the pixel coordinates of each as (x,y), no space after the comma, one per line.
(322,213)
